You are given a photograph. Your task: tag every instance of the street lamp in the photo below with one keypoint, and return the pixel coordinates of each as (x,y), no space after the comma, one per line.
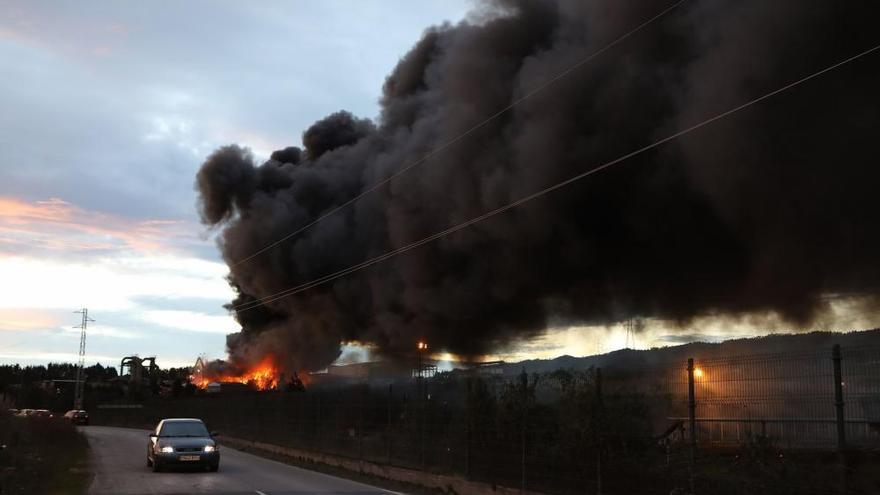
(422,347)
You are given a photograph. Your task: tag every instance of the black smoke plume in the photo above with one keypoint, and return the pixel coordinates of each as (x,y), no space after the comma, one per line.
(773,209)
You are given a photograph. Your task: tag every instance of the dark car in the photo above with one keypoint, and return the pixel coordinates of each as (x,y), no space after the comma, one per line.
(77,417)
(182,442)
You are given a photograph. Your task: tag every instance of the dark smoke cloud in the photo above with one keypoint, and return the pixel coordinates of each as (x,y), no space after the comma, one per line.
(218,367)
(772,209)
(291,154)
(225,184)
(337,130)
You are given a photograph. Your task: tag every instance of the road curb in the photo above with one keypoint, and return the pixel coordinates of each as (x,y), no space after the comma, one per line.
(446,483)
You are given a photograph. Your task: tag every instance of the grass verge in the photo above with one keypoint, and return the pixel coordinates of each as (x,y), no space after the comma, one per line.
(42,455)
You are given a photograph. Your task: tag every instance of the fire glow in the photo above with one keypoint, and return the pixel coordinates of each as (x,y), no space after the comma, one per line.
(262,376)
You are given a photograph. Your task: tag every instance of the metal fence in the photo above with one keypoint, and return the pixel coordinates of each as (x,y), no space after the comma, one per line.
(614,429)
(790,398)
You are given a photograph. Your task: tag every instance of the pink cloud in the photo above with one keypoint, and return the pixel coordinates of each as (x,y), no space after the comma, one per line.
(56,225)
(15,319)
(47,29)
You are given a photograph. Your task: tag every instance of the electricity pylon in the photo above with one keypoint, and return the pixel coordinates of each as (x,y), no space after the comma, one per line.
(630,327)
(80,378)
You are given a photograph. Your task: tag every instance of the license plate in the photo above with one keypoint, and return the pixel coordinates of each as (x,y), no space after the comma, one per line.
(189,458)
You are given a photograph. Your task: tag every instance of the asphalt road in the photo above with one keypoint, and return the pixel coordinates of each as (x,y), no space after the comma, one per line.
(120,467)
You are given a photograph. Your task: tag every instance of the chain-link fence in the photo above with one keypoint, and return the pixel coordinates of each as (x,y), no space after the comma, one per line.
(789,398)
(612,430)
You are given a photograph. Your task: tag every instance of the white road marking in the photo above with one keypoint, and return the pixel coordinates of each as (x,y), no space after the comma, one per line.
(260,493)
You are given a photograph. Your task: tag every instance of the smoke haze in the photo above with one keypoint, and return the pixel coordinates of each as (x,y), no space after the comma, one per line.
(772,209)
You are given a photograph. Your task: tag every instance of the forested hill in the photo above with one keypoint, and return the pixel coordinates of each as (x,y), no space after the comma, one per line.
(770,344)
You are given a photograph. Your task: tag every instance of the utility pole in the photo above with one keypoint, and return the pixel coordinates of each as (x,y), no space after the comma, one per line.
(80,378)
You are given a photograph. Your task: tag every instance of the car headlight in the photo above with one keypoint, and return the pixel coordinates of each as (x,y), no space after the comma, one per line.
(167,449)
(210,448)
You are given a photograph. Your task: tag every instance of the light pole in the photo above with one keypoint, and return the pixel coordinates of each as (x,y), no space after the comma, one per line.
(422,347)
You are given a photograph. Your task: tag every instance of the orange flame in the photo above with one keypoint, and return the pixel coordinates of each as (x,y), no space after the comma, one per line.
(262,376)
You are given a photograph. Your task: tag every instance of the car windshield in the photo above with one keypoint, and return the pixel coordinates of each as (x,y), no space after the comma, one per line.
(183,429)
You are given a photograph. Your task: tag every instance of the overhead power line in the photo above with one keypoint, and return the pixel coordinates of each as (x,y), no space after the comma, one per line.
(459,137)
(455,228)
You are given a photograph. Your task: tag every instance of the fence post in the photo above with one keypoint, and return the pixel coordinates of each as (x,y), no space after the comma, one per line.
(360,427)
(318,445)
(692,420)
(838,409)
(600,420)
(337,421)
(423,396)
(388,421)
(467,429)
(525,401)
(838,397)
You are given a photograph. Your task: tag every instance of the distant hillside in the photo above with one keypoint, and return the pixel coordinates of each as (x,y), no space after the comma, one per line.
(770,344)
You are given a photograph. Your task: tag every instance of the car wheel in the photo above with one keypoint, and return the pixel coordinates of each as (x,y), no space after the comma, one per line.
(214,467)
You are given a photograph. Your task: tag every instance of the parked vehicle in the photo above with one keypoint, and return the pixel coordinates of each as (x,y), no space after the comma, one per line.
(77,417)
(180,442)
(41,413)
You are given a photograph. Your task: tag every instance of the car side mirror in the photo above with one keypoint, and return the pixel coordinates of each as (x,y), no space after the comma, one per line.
(215,433)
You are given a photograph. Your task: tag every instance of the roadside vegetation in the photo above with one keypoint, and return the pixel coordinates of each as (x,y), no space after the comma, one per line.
(42,455)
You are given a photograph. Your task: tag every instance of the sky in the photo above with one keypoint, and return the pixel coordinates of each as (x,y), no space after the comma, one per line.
(107,110)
